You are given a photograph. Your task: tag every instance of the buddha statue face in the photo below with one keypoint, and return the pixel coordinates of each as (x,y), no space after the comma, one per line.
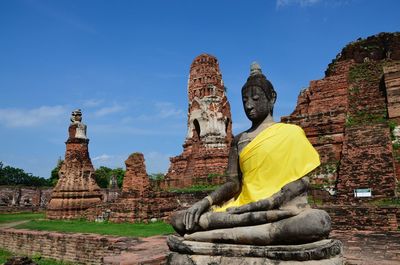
(256,104)
(258,95)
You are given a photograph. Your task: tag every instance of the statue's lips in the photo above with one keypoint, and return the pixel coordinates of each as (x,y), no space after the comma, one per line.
(251,113)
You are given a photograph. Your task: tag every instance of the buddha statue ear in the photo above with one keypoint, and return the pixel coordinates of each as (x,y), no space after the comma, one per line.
(273,99)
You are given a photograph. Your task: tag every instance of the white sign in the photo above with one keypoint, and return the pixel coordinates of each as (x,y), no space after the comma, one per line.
(363,193)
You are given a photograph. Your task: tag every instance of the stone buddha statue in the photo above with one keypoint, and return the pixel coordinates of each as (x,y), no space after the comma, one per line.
(264,201)
(76,119)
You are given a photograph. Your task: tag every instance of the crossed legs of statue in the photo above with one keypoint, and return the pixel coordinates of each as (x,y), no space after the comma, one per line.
(258,228)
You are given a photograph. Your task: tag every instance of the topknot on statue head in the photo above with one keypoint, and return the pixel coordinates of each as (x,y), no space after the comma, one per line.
(258,79)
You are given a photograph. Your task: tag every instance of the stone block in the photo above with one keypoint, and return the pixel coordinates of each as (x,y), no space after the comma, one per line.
(322,252)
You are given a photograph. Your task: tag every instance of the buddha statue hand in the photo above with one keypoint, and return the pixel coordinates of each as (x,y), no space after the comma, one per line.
(192,215)
(261,205)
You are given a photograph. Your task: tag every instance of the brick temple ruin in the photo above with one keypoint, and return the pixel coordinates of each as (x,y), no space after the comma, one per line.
(76,189)
(15,198)
(352,118)
(203,161)
(141,199)
(207,143)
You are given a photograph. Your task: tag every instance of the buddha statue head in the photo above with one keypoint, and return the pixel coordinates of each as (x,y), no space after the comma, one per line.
(258,95)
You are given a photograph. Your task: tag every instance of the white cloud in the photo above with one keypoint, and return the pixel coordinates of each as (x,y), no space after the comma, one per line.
(14,117)
(111,161)
(163,110)
(167,109)
(156,162)
(302,3)
(108,110)
(114,129)
(102,158)
(90,103)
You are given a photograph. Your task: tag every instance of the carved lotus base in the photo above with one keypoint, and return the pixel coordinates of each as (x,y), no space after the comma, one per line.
(323,252)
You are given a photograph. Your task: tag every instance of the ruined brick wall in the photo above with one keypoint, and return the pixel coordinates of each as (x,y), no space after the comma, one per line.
(136,179)
(78,248)
(142,199)
(15,199)
(351,116)
(321,111)
(209,135)
(367,156)
(158,205)
(23,198)
(392,83)
(373,218)
(345,116)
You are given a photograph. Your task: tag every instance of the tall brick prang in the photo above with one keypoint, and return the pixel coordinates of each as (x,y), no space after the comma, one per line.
(76,189)
(209,134)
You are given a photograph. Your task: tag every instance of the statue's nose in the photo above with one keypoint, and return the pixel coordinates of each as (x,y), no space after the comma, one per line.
(249,105)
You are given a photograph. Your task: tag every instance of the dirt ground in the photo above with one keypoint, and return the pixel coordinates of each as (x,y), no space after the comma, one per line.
(369,247)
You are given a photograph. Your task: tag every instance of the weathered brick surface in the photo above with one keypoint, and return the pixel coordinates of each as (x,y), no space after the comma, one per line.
(23,198)
(17,199)
(159,205)
(367,162)
(148,251)
(76,189)
(360,247)
(207,143)
(136,179)
(346,117)
(142,199)
(369,247)
(392,83)
(77,247)
(363,217)
(321,111)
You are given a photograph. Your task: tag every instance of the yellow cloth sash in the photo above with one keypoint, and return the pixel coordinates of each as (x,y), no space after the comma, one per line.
(275,157)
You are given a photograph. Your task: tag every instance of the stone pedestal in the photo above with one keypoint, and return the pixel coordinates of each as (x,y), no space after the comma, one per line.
(323,252)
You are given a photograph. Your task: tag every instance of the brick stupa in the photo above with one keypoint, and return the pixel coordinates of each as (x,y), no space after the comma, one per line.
(136,182)
(76,189)
(352,118)
(206,147)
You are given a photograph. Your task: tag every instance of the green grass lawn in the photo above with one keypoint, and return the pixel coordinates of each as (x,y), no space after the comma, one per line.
(4,255)
(14,217)
(80,226)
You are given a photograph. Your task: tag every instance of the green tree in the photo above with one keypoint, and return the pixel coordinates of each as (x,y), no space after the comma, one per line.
(119,173)
(15,176)
(157,176)
(54,173)
(103,175)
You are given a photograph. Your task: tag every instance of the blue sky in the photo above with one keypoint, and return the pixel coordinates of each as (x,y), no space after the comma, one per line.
(126,65)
